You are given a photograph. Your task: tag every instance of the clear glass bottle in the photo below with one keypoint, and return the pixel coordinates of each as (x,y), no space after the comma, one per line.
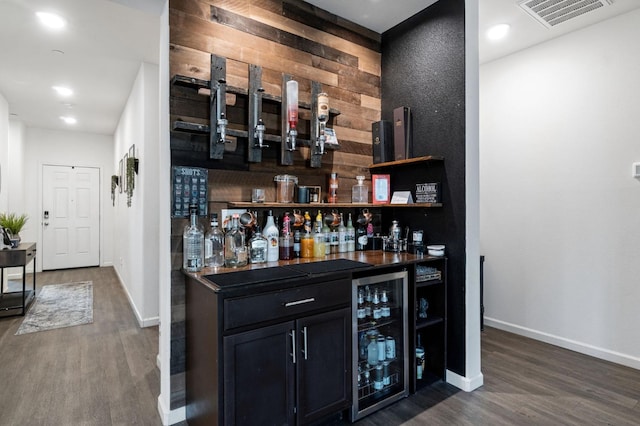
(351,235)
(306,245)
(193,244)
(360,192)
(360,313)
(372,350)
(335,241)
(272,235)
(385,309)
(235,251)
(326,231)
(214,244)
(318,237)
(342,236)
(258,247)
(368,311)
(376,308)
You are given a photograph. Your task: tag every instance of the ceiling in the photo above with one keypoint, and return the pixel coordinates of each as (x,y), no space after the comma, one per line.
(106,40)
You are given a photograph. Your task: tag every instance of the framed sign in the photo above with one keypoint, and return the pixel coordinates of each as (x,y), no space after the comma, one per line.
(381,188)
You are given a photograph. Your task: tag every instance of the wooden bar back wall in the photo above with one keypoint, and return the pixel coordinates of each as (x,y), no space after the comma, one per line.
(283,37)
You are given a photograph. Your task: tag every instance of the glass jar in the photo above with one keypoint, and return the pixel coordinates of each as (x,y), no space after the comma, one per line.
(285,185)
(359,192)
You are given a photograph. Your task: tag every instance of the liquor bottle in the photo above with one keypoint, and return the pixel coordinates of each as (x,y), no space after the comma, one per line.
(307,222)
(214,244)
(235,251)
(361,238)
(335,240)
(419,359)
(306,245)
(385,309)
(342,236)
(333,189)
(326,231)
(258,247)
(286,238)
(272,235)
(318,237)
(296,243)
(376,309)
(367,303)
(360,313)
(351,235)
(372,349)
(193,244)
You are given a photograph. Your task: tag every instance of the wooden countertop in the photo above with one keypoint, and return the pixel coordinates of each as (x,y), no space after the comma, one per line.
(376,258)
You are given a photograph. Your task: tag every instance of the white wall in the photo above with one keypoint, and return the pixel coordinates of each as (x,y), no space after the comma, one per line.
(4,153)
(560,212)
(55,147)
(136,227)
(15,178)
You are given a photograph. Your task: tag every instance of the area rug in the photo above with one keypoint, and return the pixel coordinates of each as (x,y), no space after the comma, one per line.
(58,306)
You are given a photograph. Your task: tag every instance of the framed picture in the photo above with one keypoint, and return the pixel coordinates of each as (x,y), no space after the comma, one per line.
(381,189)
(124,175)
(121,175)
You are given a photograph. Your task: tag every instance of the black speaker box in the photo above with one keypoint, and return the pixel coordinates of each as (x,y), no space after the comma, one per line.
(402,144)
(382,138)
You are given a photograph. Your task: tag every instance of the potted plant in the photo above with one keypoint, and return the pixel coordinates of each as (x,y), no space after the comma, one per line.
(13,223)
(131,170)
(114,184)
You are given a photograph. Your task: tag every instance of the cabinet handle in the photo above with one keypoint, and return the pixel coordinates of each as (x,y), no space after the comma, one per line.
(304,348)
(300,302)
(293,345)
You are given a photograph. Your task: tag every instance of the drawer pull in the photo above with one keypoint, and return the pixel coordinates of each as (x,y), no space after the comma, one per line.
(300,302)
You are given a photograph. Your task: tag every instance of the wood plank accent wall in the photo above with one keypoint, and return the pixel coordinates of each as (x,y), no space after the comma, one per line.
(281,36)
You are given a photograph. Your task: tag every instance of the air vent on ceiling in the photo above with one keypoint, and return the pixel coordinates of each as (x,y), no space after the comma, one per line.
(553,12)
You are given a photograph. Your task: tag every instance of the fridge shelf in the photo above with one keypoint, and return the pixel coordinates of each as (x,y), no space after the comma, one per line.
(369,390)
(427,322)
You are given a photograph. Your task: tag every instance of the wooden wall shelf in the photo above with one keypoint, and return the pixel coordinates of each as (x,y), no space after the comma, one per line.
(409,161)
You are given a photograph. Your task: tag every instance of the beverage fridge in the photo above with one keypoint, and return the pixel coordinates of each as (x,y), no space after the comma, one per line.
(379,342)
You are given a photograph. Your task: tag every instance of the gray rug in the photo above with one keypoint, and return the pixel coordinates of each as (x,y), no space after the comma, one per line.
(58,306)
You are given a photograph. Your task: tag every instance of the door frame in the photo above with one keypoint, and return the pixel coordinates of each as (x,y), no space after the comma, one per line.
(40,192)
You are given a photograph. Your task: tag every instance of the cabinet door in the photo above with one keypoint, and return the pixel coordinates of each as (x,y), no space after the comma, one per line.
(324,368)
(259,376)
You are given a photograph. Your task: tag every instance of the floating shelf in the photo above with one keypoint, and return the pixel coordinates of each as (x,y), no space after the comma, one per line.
(426,159)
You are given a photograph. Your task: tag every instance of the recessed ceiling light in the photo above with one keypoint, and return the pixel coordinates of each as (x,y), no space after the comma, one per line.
(63,91)
(498,32)
(68,120)
(51,20)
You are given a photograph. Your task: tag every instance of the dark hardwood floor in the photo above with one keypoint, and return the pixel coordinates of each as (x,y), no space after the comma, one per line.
(102,373)
(105,374)
(527,382)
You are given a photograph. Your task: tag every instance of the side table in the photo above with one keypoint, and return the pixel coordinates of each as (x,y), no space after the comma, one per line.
(14,300)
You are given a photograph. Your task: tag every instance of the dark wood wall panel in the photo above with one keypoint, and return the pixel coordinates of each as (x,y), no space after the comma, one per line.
(282,37)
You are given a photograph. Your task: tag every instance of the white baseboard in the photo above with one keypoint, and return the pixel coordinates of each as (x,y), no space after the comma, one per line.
(583,348)
(170,417)
(467,384)
(142,322)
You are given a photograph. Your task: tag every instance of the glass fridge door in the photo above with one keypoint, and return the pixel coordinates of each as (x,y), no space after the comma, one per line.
(380,344)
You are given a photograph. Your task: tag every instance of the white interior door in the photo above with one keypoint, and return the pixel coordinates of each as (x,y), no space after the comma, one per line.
(70,217)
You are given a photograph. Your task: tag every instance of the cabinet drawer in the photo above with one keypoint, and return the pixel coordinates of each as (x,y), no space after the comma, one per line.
(263,307)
